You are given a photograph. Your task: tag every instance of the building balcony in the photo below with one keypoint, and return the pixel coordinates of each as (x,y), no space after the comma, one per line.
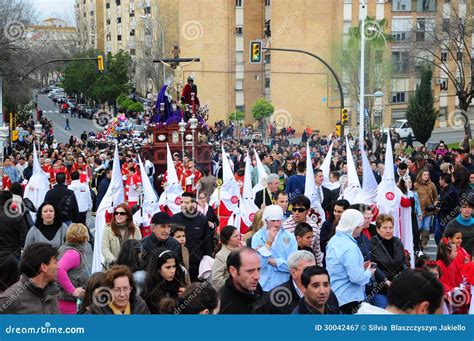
(402,36)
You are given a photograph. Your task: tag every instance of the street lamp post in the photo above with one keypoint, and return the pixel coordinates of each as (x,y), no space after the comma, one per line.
(182,130)
(362,75)
(193,123)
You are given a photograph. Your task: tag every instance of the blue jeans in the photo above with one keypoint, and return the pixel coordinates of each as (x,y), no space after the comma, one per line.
(378,300)
(425,223)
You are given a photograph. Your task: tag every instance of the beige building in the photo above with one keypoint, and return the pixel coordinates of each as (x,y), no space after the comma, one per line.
(300,88)
(90,24)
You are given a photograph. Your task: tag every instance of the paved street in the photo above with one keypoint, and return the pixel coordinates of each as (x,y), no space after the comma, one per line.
(51,111)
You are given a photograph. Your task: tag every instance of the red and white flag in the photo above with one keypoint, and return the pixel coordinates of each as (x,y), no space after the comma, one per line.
(114,196)
(170,199)
(228,198)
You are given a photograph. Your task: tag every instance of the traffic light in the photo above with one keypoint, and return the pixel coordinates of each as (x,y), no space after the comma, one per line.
(101,63)
(255,52)
(345,117)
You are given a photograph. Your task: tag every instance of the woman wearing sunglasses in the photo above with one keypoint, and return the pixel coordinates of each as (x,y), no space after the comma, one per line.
(120,229)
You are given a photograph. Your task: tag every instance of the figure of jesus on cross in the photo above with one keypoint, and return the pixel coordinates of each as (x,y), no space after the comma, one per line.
(176,65)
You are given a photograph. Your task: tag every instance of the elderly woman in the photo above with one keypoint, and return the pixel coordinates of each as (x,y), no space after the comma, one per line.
(72,268)
(119,294)
(230,239)
(348,272)
(387,251)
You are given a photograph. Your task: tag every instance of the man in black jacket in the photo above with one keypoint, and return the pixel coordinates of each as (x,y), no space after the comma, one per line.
(315,280)
(286,297)
(273,181)
(63,199)
(13,228)
(160,238)
(198,232)
(242,294)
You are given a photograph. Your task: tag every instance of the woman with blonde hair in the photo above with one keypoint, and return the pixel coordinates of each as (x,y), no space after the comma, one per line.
(73,273)
(120,229)
(256,225)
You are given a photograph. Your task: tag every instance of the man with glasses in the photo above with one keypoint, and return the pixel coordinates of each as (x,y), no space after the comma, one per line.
(160,237)
(300,207)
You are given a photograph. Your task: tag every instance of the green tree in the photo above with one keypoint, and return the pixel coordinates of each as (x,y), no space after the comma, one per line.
(135,107)
(421,114)
(237,116)
(81,77)
(262,109)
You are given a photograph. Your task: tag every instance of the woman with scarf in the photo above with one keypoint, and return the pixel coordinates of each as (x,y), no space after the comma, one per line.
(72,268)
(48,227)
(120,229)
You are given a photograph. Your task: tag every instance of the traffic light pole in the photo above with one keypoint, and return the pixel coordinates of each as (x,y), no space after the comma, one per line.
(339,84)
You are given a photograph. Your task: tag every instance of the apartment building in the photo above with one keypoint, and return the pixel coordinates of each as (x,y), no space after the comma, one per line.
(147,29)
(90,24)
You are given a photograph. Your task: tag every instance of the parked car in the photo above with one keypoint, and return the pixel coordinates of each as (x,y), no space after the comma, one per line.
(402,127)
(85,111)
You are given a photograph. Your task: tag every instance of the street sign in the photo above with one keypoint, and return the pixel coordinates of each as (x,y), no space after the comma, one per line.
(255,52)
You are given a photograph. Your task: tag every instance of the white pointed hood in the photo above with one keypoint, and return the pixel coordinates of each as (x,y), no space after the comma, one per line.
(353,189)
(171,196)
(262,174)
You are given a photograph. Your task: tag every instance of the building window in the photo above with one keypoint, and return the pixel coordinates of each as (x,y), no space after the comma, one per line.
(444,56)
(132,33)
(459,56)
(132,13)
(424,29)
(268,32)
(148,10)
(443,84)
(117,2)
(268,3)
(239,30)
(267,82)
(238,3)
(107,5)
(119,20)
(400,62)
(445,25)
(107,21)
(401,5)
(398,97)
(426,5)
(132,52)
(268,58)
(119,37)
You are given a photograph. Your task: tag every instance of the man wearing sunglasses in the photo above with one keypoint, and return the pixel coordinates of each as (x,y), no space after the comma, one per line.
(300,208)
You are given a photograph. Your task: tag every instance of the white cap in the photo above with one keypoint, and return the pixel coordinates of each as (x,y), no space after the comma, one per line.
(350,220)
(273,212)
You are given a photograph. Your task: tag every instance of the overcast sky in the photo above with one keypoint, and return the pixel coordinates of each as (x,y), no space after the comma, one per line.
(63,9)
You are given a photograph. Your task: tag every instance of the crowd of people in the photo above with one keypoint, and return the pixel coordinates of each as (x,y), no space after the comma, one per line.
(344,258)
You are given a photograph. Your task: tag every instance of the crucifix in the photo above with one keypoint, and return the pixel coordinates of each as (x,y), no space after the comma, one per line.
(176,65)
